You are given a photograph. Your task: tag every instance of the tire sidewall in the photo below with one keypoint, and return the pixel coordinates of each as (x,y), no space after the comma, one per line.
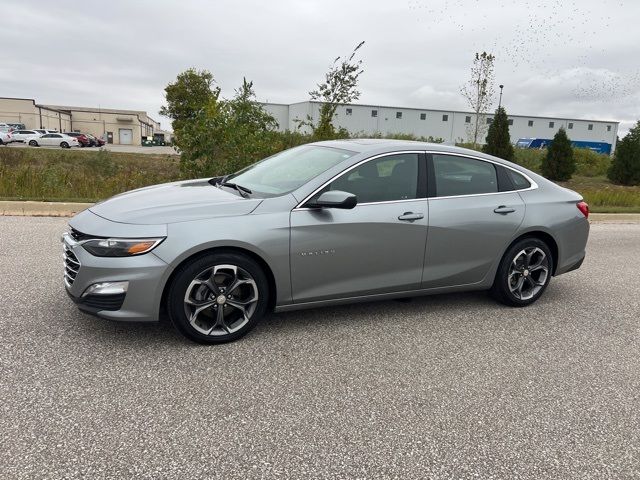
(185,275)
(501,284)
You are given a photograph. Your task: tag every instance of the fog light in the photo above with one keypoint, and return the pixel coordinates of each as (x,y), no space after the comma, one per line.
(106,288)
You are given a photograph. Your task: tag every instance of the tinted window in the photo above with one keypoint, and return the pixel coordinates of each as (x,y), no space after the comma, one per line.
(393,177)
(48,135)
(56,136)
(519,182)
(463,176)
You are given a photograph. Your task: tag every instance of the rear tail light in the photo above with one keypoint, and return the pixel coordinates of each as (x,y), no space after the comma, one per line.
(584,208)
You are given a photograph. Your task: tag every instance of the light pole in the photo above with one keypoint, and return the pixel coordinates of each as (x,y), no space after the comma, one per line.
(500,102)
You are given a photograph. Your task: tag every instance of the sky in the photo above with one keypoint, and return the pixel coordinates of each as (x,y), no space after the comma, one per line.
(566,58)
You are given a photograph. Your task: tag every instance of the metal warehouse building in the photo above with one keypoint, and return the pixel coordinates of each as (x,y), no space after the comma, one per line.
(121,127)
(450,125)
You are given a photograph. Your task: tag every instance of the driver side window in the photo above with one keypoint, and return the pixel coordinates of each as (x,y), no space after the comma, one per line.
(388,178)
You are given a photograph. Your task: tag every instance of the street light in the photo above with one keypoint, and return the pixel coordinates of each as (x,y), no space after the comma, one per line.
(500,102)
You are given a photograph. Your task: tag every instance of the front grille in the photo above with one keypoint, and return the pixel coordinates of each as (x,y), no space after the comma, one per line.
(71,265)
(104,302)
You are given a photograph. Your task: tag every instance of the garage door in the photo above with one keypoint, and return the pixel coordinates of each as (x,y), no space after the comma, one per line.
(126,136)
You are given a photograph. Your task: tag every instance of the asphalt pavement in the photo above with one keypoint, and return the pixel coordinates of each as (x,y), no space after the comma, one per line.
(452,386)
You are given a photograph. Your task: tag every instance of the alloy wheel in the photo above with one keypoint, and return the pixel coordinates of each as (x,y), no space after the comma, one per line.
(220,300)
(528,273)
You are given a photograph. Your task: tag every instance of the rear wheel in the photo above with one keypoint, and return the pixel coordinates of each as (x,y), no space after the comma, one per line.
(218,297)
(524,273)
(64,145)
(33,143)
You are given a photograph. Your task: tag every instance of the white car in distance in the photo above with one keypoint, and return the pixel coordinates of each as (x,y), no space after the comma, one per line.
(53,140)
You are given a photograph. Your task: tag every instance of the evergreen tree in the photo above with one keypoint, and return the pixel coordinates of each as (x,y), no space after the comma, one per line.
(498,139)
(559,163)
(625,168)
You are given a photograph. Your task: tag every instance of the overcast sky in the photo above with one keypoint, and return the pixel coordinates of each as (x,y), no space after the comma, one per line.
(574,58)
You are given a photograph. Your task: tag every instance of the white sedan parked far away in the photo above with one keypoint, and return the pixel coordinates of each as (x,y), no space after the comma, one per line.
(53,140)
(23,135)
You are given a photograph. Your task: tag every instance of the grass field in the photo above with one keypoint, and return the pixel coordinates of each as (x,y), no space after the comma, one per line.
(72,176)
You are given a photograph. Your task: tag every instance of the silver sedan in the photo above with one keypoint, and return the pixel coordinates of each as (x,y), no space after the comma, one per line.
(321,224)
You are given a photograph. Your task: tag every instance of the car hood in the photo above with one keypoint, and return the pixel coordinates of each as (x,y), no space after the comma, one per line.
(174,202)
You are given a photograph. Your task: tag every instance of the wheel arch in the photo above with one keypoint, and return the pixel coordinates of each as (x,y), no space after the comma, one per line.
(225,249)
(545,237)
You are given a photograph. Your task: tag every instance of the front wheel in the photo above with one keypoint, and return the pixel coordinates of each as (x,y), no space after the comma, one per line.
(64,145)
(33,143)
(524,273)
(218,297)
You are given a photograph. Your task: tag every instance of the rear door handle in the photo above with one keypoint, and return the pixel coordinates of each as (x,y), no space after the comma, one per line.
(410,216)
(504,210)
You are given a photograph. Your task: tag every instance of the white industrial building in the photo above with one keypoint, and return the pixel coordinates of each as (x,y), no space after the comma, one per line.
(450,125)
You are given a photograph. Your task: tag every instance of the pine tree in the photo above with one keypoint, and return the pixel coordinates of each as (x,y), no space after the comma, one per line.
(559,163)
(625,168)
(498,139)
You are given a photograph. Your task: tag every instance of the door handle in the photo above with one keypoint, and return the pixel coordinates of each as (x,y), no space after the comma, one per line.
(503,209)
(410,216)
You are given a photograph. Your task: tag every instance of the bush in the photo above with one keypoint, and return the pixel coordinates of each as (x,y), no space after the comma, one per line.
(625,168)
(590,163)
(498,140)
(559,164)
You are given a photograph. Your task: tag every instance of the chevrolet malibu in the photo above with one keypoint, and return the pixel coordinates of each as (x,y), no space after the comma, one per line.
(323,224)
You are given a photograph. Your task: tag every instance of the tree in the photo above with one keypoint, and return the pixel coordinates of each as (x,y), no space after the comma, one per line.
(338,88)
(478,92)
(498,139)
(559,163)
(226,135)
(625,168)
(188,96)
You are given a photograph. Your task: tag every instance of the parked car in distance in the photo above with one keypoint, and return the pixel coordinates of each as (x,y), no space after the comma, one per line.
(54,140)
(82,138)
(17,126)
(23,135)
(5,138)
(43,131)
(101,141)
(93,140)
(323,224)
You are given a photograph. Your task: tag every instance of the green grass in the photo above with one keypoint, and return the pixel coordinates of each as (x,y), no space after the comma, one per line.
(72,176)
(56,175)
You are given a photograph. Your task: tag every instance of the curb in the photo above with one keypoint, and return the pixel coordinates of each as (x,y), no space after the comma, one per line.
(68,209)
(41,209)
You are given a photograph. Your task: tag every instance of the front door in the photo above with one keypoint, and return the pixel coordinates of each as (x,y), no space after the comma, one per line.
(472,219)
(376,247)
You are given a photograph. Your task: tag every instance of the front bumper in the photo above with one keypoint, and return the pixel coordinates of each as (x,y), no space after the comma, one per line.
(144,273)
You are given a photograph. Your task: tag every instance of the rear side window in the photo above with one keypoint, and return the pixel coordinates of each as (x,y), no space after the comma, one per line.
(455,175)
(519,182)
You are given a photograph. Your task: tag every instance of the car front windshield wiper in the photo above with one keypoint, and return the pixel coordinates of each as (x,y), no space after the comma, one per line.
(244,191)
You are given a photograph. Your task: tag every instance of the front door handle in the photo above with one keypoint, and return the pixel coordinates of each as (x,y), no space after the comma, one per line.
(410,216)
(504,210)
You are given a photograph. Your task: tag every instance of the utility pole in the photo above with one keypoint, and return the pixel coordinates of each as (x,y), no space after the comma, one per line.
(500,102)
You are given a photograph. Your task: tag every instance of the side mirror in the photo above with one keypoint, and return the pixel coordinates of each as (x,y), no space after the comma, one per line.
(335,199)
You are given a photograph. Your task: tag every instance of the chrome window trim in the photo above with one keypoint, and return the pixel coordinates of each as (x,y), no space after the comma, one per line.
(347,170)
(533,185)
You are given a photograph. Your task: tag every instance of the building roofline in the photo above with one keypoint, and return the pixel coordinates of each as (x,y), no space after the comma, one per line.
(459,111)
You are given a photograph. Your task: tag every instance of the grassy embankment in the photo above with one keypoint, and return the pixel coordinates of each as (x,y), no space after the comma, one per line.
(73,176)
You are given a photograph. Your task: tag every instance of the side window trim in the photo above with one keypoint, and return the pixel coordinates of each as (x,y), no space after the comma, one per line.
(500,170)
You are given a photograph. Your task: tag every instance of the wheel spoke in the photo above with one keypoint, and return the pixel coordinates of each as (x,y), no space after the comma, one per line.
(236,284)
(220,323)
(199,307)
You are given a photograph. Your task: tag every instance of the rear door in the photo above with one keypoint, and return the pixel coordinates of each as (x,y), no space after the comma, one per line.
(472,218)
(376,247)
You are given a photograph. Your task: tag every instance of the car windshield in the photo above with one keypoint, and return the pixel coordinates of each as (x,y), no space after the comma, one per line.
(285,171)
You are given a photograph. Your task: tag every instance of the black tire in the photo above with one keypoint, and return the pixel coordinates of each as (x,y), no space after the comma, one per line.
(64,145)
(193,272)
(33,143)
(515,268)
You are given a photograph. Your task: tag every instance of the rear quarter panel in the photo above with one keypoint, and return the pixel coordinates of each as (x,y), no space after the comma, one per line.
(552,209)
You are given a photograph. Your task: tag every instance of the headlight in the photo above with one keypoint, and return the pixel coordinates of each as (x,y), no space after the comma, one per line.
(120,247)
